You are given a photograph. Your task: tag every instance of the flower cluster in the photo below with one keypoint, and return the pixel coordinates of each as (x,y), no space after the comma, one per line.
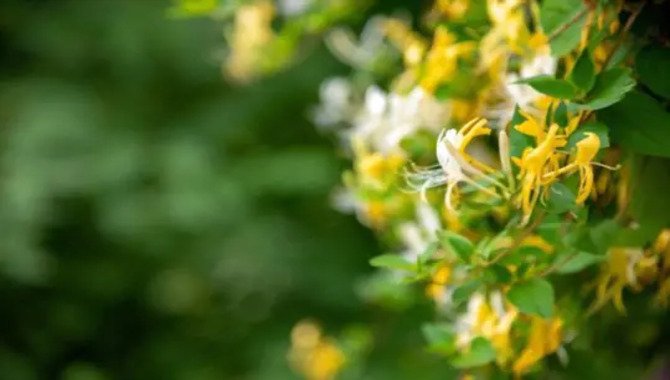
(494,150)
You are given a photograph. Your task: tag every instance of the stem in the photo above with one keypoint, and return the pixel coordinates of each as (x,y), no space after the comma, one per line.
(624,33)
(568,24)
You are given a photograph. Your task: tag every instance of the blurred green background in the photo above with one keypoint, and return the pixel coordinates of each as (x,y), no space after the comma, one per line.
(158,223)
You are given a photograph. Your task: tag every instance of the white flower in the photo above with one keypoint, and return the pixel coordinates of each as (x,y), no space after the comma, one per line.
(358,52)
(336,102)
(455,166)
(293,7)
(386,119)
(419,234)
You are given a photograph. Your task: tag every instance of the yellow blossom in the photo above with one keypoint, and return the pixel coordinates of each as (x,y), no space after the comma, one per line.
(436,289)
(534,163)
(617,273)
(452,9)
(404,38)
(313,355)
(490,318)
(441,61)
(545,338)
(252,32)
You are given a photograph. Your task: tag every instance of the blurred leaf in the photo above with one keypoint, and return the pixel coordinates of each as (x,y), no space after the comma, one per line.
(640,124)
(651,64)
(392,261)
(535,296)
(480,352)
(457,244)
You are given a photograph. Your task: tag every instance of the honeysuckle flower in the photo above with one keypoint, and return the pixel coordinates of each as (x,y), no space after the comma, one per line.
(617,273)
(533,164)
(455,165)
(312,355)
(336,102)
(545,338)
(490,318)
(252,31)
(441,60)
(293,7)
(587,148)
(359,52)
(388,118)
(452,9)
(410,43)
(417,235)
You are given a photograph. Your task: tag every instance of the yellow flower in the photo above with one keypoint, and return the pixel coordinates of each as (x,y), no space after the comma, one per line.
(545,338)
(534,163)
(404,38)
(452,9)
(455,165)
(489,318)
(252,32)
(436,289)
(618,272)
(312,355)
(442,60)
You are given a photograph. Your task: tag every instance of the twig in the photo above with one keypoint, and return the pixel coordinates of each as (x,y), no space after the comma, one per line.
(568,24)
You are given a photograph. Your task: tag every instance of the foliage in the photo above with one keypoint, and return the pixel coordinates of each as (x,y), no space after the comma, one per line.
(544,145)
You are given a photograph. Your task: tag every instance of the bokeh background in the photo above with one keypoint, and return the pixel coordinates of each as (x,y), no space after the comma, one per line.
(159,223)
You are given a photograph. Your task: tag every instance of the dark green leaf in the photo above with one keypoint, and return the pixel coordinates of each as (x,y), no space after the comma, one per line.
(535,296)
(610,87)
(653,66)
(561,198)
(583,73)
(640,124)
(546,84)
(603,234)
(481,352)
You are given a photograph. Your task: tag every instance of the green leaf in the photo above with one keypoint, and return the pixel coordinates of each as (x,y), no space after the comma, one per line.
(481,352)
(555,16)
(583,74)
(652,64)
(428,253)
(561,199)
(599,129)
(535,296)
(604,234)
(578,262)
(463,292)
(640,124)
(496,274)
(610,87)
(546,84)
(561,115)
(649,204)
(392,261)
(457,244)
(441,338)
